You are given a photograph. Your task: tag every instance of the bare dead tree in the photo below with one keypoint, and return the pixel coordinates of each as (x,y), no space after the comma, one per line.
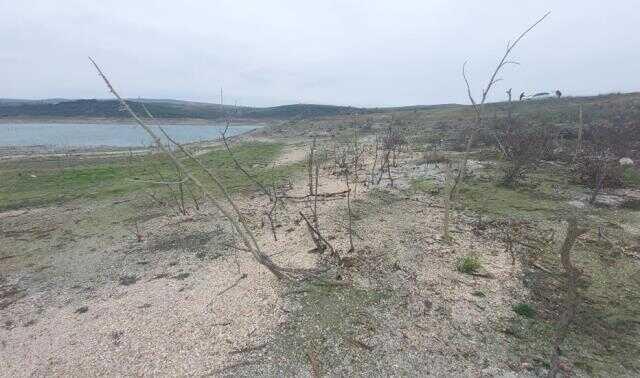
(523,145)
(317,234)
(357,153)
(170,189)
(375,158)
(346,179)
(271,195)
(236,218)
(182,181)
(251,177)
(571,296)
(270,217)
(604,143)
(478,106)
(389,172)
(313,173)
(579,138)
(138,233)
(392,142)
(183,209)
(447,201)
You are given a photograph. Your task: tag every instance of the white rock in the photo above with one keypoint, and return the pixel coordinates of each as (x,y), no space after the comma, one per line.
(625,161)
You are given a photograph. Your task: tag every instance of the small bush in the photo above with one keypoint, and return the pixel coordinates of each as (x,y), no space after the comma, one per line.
(631,177)
(524,309)
(469,265)
(589,167)
(523,146)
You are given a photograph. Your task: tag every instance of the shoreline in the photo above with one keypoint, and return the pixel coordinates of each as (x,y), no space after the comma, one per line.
(129,121)
(44,151)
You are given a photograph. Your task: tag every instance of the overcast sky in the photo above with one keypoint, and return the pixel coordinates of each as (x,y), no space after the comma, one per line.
(361,53)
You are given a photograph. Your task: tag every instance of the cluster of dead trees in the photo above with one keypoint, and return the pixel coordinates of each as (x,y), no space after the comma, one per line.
(349,163)
(597,153)
(523,145)
(601,152)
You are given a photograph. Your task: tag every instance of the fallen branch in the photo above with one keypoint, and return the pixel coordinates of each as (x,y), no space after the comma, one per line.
(317,233)
(237,281)
(249,349)
(321,195)
(315,365)
(234,366)
(358,344)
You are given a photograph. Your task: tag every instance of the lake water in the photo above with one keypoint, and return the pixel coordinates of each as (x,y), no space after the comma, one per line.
(76,135)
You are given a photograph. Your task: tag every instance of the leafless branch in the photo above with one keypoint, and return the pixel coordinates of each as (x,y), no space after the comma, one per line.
(237,221)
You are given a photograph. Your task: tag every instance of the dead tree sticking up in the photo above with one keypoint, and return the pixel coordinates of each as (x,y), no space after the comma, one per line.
(235,217)
(478,107)
(571,298)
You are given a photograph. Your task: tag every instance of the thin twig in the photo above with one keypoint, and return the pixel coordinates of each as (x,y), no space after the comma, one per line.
(317,233)
(241,168)
(234,284)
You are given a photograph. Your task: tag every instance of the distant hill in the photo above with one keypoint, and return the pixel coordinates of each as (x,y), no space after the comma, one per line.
(162,109)
(178,109)
(15,102)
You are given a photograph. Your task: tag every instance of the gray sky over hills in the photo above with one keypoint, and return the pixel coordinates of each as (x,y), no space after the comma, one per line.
(361,53)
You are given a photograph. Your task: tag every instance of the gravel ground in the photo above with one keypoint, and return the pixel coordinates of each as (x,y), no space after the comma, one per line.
(97,302)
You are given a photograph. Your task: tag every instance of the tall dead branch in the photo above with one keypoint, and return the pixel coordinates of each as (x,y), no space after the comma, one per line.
(236,218)
(251,177)
(478,107)
(571,296)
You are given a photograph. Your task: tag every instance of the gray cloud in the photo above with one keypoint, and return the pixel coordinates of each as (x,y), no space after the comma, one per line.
(363,53)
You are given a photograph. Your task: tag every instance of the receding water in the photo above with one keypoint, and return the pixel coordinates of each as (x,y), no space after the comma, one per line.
(66,135)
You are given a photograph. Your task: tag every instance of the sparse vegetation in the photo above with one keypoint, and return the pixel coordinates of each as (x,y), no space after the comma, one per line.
(525,310)
(420,233)
(469,264)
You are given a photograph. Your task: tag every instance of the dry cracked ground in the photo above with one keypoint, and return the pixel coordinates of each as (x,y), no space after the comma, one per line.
(80,295)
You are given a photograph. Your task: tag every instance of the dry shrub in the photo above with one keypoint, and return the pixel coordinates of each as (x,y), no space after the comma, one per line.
(523,146)
(592,168)
(604,144)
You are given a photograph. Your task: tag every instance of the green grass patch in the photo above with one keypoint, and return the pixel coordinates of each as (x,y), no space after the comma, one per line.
(424,185)
(492,199)
(56,181)
(524,309)
(631,177)
(469,264)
